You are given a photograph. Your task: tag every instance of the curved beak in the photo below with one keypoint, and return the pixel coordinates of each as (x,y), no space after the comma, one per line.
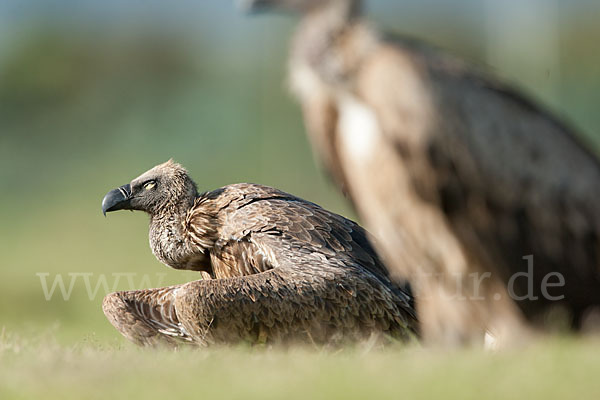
(117,199)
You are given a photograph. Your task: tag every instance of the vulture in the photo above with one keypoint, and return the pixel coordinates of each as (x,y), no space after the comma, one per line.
(275,269)
(483,200)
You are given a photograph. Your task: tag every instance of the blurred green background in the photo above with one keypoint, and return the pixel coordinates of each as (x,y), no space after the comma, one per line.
(94,93)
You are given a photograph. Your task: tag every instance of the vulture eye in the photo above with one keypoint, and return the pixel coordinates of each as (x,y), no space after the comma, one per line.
(149,185)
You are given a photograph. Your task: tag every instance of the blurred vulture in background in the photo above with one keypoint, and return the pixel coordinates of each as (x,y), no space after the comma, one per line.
(276,268)
(485,201)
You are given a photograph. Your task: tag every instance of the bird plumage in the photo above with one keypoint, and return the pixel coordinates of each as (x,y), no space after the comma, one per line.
(455,174)
(277,268)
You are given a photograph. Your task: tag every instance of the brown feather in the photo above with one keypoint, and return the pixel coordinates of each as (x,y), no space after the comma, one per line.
(280,269)
(454,172)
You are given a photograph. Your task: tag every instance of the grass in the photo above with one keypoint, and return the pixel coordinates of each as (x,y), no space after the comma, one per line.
(83,357)
(39,367)
(227,122)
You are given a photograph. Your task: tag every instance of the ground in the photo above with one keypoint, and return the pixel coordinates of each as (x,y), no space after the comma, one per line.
(40,367)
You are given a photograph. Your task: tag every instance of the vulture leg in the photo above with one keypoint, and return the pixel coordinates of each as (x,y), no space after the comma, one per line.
(462,316)
(146,317)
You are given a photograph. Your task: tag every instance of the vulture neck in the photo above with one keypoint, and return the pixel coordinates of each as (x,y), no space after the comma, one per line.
(170,238)
(171,217)
(332,40)
(335,14)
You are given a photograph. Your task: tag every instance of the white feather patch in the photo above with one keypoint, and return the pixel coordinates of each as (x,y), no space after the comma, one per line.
(358,128)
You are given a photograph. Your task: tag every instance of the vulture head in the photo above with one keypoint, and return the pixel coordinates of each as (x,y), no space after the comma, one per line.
(301,6)
(166,185)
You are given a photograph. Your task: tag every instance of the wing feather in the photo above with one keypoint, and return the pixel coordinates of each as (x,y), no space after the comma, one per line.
(509,177)
(146,316)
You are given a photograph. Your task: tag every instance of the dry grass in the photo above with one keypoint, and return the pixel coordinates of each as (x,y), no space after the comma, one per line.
(41,368)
